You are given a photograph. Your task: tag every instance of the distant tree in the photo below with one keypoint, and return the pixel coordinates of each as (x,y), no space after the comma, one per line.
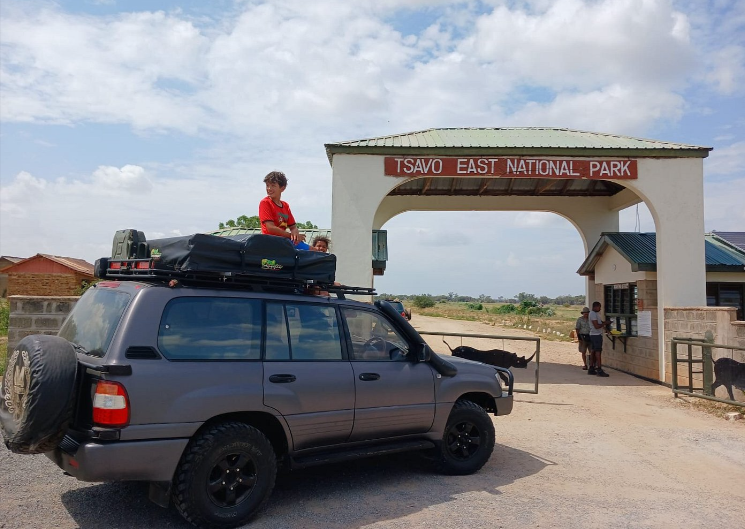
(524,296)
(253,222)
(242,222)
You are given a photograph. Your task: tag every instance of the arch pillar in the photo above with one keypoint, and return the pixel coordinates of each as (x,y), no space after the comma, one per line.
(354,202)
(675,199)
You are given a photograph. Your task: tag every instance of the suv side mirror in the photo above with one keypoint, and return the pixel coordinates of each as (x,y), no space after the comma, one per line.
(423,353)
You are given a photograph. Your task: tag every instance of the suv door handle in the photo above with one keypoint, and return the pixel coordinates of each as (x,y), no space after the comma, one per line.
(282,379)
(369,376)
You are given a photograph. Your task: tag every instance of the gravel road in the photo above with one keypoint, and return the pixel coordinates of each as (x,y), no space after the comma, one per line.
(584,452)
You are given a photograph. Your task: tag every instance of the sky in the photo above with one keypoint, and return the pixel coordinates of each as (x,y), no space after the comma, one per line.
(165,115)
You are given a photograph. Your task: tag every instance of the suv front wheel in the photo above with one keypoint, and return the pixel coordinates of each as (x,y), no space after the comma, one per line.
(468,440)
(225,476)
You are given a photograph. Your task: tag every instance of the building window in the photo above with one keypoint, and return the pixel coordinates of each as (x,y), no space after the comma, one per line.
(726,295)
(620,307)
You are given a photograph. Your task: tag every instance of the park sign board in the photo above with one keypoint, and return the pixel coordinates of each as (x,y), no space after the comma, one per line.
(510,167)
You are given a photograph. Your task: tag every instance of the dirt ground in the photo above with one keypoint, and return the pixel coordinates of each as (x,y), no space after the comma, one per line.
(609,452)
(584,452)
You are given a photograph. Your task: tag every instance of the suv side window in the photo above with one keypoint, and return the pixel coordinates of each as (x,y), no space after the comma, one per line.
(210,328)
(300,331)
(373,337)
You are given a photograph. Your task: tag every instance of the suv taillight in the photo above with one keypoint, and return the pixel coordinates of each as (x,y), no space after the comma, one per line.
(110,405)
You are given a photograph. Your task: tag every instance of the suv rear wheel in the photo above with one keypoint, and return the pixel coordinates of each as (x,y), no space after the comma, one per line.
(225,476)
(468,440)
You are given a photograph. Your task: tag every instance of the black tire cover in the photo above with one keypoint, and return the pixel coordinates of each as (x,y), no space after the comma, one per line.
(37,393)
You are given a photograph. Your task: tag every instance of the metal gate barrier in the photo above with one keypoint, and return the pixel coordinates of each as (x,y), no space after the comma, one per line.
(701,368)
(536,352)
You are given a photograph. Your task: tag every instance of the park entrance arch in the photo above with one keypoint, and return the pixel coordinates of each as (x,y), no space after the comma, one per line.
(586,177)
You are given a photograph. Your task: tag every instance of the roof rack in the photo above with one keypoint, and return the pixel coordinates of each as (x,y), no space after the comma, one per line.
(145,270)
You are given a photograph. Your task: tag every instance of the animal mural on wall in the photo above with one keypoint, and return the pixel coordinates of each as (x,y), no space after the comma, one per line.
(494,357)
(728,373)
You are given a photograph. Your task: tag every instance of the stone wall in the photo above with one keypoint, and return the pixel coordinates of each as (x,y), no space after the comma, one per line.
(37,315)
(45,284)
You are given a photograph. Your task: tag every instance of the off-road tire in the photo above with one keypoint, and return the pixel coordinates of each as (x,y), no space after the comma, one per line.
(37,396)
(225,476)
(468,440)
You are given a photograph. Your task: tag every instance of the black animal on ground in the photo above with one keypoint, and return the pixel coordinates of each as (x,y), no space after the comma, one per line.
(493,357)
(728,373)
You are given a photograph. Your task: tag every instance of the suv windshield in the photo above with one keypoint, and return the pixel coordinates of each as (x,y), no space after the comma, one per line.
(92,322)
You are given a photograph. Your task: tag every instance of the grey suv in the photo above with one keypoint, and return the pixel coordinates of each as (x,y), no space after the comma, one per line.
(205,391)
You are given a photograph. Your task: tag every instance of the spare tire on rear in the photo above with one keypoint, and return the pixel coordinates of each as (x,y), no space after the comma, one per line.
(37,394)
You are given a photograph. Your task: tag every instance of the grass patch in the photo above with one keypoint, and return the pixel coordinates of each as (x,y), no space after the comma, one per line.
(4,316)
(717,409)
(3,355)
(562,320)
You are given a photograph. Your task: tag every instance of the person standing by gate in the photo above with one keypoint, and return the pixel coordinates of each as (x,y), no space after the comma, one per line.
(582,328)
(597,325)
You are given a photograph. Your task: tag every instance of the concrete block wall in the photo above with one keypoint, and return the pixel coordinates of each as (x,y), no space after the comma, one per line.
(37,315)
(696,323)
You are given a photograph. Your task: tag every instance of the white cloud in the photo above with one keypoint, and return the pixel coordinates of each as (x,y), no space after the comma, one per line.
(727,71)
(723,203)
(726,161)
(14,197)
(291,67)
(535,219)
(130,179)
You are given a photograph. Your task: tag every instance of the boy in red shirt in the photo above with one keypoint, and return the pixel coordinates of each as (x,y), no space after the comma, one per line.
(275,215)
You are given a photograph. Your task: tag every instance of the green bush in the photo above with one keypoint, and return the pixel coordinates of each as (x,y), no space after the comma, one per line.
(540,311)
(507,308)
(474,306)
(423,301)
(4,317)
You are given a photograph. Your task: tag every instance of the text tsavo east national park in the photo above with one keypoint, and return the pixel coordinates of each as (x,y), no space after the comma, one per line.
(511,167)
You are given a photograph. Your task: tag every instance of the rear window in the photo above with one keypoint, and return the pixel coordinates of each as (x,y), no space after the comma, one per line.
(94,319)
(207,328)
(397,305)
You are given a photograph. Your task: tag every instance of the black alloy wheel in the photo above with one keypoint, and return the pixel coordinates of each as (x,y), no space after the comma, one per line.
(468,440)
(463,440)
(232,479)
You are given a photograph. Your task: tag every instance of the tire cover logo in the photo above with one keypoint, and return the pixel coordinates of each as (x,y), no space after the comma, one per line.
(16,384)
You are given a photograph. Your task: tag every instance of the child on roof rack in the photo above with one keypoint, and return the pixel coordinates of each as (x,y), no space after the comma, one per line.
(274,213)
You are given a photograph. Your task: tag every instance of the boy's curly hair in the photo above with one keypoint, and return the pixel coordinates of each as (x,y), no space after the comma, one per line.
(321,238)
(276,177)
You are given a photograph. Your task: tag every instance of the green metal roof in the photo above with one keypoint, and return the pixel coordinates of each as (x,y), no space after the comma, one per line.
(640,249)
(514,141)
